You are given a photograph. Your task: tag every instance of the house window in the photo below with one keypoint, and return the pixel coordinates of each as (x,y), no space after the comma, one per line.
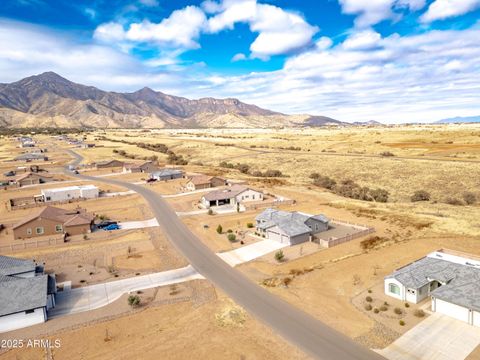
(39,230)
(316,227)
(31,311)
(58,228)
(394,289)
(48,198)
(29,231)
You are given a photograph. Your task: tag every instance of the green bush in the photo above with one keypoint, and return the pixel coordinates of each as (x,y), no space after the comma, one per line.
(231,237)
(398,311)
(219,229)
(133,300)
(279,256)
(376,311)
(368,307)
(368,299)
(401,322)
(407,305)
(249,225)
(383,308)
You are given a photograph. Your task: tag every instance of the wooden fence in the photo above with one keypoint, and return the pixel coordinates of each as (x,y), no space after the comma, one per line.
(266,204)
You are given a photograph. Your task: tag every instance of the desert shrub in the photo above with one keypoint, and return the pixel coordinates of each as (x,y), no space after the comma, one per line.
(469,198)
(227,165)
(419,313)
(453,201)
(407,305)
(210,212)
(231,237)
(379,195)
(257,173)
(279,256)
(387,154)
(372,242)
(286,281)
(219,229)
(386,303)
(383,308)
(369,291)
(229,231)
(243,168)
(368,299)
(368,307)
(272,173)
(324,181)
(314,175)
(398,311)
(401,322)
(420,195)
(133,300)
(376,311)
(249,225)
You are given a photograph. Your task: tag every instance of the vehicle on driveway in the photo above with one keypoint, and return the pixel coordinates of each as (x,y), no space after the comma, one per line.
(111,227)
(106,223)
(9,173)
(151,180)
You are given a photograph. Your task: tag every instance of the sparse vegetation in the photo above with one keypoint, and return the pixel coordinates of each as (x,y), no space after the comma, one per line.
(419,313)
(133,301)
(368,299)
(231,237)
(250,225)
(279,256)
(398,311)
(401,323)
(219,229)
(372,242)
(469,198)
(420,195)
(368,307)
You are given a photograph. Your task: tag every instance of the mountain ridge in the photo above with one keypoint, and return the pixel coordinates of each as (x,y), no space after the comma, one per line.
(51,100)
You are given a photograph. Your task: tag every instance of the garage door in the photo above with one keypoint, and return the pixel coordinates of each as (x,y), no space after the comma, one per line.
(452,310)
(476,318)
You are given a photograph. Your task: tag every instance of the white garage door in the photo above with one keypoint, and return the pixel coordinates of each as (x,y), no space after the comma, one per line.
(452,310)
(476,318)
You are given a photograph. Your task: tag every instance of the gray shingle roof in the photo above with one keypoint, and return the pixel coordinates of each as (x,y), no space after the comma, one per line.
(291,223)
(461,281)
(12,266)
(21,294)
(167,172)
(224,194)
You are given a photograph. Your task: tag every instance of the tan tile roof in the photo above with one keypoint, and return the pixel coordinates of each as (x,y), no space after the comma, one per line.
(67,217)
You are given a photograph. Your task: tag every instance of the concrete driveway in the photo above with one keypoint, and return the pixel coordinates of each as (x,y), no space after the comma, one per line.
(250,252)
(138,224)
(438,337)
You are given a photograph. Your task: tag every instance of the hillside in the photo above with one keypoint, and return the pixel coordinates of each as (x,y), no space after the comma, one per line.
(49,100)
(459,119)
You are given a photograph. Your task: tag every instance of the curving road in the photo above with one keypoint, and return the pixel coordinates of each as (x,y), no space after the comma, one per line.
(309,334)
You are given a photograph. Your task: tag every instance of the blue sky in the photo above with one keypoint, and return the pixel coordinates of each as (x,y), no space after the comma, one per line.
(354,60)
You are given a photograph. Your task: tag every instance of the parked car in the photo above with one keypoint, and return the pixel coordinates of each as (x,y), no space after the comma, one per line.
(111,227)
(9,173)
(151,180)
(105,223)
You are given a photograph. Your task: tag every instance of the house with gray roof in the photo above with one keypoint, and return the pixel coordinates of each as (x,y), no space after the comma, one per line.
(290,227)
(452,281)
(166,174)
(232,196)
(26,293)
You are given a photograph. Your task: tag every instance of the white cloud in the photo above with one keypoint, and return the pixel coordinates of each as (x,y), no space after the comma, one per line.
(239,57)
(363,40)
(182,28)
(279,31)
(149,3)
(443,9)
(371,12)
(110,32)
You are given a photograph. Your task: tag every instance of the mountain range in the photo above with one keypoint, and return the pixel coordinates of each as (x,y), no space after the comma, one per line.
(49,100)
(459,119)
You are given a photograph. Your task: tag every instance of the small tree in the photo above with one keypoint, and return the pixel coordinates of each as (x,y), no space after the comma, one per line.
(219,229)
(231,237)
(420,195)
(134,301)
(249,225)
(279,256)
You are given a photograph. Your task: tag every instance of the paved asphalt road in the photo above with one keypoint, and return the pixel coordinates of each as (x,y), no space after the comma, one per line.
(309,334)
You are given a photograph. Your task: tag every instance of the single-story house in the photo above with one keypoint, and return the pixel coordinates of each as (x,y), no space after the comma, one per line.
(27,143)
(290,227)
(198,182)
(31,178)
(87,145)
(31,157)
(145,167)
(166,174)
(26,293)
(70,192)
(53,221)
(109,164)
(452,281)
(231,196)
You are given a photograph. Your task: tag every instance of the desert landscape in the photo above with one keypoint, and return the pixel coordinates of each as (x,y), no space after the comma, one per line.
(321,170)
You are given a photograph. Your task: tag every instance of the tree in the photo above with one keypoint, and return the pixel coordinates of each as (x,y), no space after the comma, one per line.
(231,237)
(420,195)
(133,300)
(219,229)
(279,256)
(249,225)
